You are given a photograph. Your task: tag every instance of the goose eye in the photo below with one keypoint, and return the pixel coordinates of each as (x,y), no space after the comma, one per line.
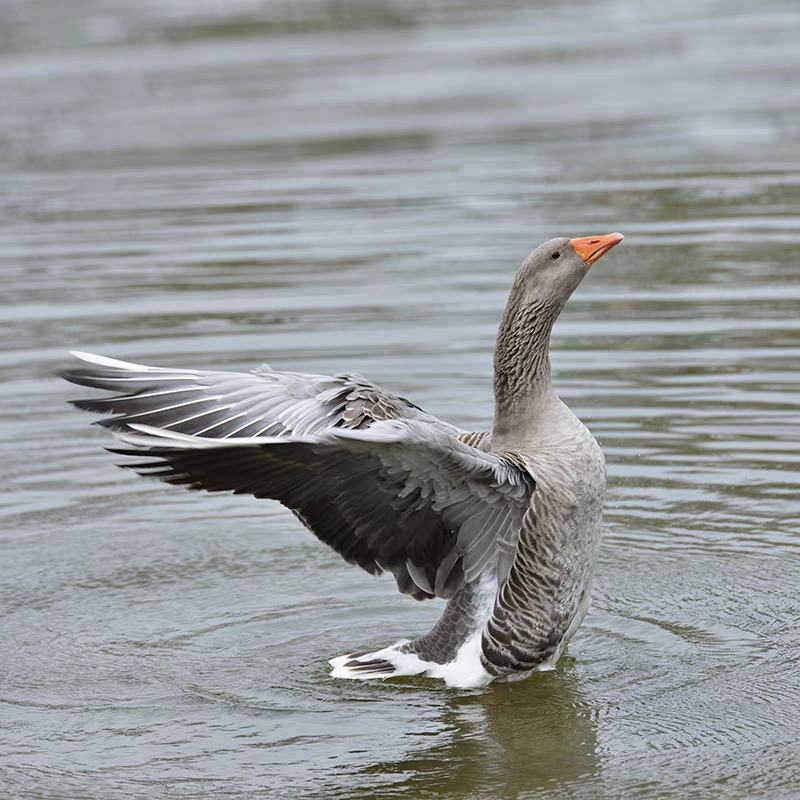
(556,255)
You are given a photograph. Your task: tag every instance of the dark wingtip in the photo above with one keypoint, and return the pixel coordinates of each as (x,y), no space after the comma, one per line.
(66,375)
(124,451)
(86,405)
(82,378)
(112,423)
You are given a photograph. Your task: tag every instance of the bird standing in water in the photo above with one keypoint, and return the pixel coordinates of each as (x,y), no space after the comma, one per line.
(503,524)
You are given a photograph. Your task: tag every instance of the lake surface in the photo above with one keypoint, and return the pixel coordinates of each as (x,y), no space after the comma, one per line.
(351,185)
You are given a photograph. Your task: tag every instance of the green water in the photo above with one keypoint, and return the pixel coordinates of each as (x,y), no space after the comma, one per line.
(351,185)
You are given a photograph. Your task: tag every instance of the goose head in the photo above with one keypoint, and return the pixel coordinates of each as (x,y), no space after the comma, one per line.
(552,272)
(541,288)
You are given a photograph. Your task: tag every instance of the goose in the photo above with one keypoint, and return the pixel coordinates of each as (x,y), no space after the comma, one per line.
(502,524)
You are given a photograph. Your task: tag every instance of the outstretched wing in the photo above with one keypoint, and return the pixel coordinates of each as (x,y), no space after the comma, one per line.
(223,405)
(386,485)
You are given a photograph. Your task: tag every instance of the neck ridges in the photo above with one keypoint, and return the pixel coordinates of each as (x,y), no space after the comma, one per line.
(522,359)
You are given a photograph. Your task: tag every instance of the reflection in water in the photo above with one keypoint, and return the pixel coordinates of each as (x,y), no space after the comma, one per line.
(503,741)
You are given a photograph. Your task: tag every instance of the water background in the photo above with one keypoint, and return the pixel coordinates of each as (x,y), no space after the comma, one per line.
(351,185)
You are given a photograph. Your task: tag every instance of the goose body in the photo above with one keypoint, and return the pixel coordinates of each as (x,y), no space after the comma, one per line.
(503,524)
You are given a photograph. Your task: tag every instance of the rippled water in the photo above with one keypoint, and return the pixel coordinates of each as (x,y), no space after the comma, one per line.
(351,185)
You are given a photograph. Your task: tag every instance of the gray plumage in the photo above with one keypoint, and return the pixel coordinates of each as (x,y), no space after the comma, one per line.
(503,523)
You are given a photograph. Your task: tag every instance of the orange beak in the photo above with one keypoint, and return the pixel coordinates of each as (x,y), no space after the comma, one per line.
(592,248)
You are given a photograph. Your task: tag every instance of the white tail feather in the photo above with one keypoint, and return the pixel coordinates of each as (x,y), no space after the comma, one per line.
(465,671)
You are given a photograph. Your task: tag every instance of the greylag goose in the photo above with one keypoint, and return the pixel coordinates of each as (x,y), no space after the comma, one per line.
(503,524)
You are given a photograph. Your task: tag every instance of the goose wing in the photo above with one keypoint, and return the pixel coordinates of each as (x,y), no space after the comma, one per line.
(224,405)
(386,485)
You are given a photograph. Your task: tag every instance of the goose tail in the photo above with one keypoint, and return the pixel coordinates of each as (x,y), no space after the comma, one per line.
(394,661)
(465,671)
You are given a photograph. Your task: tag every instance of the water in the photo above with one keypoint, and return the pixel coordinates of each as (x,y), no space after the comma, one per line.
(351,185)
